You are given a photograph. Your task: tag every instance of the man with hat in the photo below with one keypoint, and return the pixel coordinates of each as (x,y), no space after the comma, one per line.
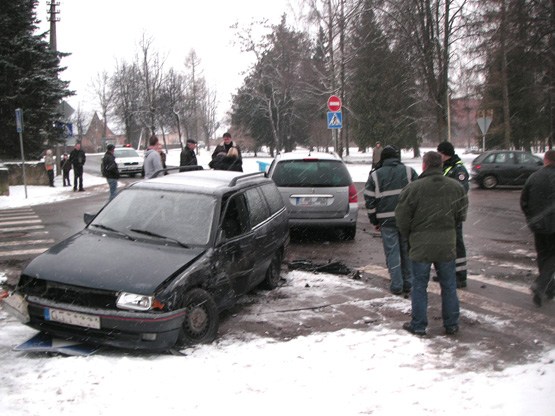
(110,170)
(188,155)
(453,167)
(381,195)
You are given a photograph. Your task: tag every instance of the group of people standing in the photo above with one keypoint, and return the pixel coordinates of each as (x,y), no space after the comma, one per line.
(75,160)
(420,219)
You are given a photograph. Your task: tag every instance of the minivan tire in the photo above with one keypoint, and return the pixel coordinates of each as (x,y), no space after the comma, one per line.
(201,318)
(273,274)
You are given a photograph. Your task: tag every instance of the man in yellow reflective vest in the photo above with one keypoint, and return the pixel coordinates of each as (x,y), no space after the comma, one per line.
(454,168)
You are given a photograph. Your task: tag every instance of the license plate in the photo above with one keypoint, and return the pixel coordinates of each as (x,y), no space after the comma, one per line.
(312,200)
(72,318)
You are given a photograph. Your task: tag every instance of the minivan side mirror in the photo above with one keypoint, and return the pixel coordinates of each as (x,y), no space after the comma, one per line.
(88,217)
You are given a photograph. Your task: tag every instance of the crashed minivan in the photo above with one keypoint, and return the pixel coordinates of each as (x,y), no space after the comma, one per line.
(156,266)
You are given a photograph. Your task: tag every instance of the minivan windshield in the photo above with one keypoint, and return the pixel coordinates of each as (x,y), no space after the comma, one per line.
(311,172)
(125,152)
(184,218)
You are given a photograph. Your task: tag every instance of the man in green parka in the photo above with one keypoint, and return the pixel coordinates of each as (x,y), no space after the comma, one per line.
(428,213)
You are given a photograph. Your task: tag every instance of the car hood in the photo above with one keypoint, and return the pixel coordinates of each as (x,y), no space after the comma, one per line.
(109,262)
(138,160)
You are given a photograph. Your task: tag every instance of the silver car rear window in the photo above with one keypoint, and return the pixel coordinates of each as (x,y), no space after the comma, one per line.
(311,172)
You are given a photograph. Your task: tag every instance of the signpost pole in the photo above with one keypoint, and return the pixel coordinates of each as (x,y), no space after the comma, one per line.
(484,133)
(19,124)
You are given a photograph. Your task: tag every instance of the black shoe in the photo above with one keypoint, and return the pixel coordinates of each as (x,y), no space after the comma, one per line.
(461,284)
(537,299)
(451,330)
(407,289)
(396,292)
(81,190)
(74,189)
(409,328)
(550,296)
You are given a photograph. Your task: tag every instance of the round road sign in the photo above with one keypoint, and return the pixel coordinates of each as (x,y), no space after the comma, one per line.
(334,103)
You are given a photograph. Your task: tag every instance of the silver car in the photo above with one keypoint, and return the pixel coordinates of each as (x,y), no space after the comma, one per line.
(317,190)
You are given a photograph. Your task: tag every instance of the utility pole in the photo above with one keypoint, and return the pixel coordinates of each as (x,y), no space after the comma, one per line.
(53,18)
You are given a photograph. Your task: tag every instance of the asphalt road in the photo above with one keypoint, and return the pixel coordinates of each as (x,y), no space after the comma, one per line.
(498,316)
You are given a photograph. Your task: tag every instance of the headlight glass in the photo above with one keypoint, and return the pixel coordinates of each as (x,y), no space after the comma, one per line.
(134,302)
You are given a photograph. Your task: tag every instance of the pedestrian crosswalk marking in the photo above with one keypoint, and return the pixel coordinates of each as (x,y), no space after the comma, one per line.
(21,222)
(23,252)
(25,243)
(30,227)
(22,234)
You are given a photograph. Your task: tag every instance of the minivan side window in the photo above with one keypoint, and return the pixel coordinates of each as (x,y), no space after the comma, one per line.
(275,201)
(258,209)
(236,218)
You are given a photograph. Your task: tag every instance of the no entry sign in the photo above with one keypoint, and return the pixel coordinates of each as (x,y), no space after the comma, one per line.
(334,103)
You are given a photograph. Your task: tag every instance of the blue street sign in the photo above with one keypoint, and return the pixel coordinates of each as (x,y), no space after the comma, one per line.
(18,120)
(335,120)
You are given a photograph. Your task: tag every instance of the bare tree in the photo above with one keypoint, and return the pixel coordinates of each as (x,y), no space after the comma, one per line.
(104,96)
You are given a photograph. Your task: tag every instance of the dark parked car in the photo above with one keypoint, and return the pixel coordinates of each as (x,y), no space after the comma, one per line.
(317,189)
(159,262)
(504,167)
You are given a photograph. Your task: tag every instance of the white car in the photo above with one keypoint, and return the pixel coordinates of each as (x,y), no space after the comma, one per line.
(128,160)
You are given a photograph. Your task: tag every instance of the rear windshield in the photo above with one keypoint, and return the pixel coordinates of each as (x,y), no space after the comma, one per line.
(317,173)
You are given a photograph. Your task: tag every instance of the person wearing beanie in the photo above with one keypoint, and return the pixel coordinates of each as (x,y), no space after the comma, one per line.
(381,195)
(454,168)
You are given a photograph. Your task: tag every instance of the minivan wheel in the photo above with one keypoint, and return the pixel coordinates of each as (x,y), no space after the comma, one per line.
(489,182)
(201,318)
(273,274)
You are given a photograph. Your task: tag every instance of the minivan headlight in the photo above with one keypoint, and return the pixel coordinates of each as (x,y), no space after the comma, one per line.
(134,302)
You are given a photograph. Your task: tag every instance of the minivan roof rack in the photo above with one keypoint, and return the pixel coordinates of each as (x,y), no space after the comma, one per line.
(179,168)
(234,181)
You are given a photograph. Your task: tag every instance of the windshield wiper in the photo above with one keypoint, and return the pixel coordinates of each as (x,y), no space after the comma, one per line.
(105,227)
(151,234)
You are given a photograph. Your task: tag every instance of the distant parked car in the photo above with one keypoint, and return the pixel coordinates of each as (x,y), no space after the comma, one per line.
(159,262)
(504,167)
(317,189)
(128,160)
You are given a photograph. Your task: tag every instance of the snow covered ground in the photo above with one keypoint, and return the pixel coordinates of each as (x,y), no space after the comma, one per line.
(379,370)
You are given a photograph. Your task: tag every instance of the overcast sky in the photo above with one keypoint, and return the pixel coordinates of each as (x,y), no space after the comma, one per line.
(98,32)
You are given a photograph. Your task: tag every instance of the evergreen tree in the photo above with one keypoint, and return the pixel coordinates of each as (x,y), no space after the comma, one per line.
(382,87)
(28,80)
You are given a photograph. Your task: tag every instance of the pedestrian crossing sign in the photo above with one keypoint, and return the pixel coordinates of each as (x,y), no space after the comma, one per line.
(335,120)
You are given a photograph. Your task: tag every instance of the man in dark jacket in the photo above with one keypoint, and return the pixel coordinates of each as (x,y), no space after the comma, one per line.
(77,159)
(538,204)
(110,170)
(453,167)
(381,194)
(188,155)
(427,213)
(223,148)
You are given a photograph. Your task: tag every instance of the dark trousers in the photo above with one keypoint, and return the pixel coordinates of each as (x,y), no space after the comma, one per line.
(66,178)
(545,248)
(50,177)
(77,175)
(460,262)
